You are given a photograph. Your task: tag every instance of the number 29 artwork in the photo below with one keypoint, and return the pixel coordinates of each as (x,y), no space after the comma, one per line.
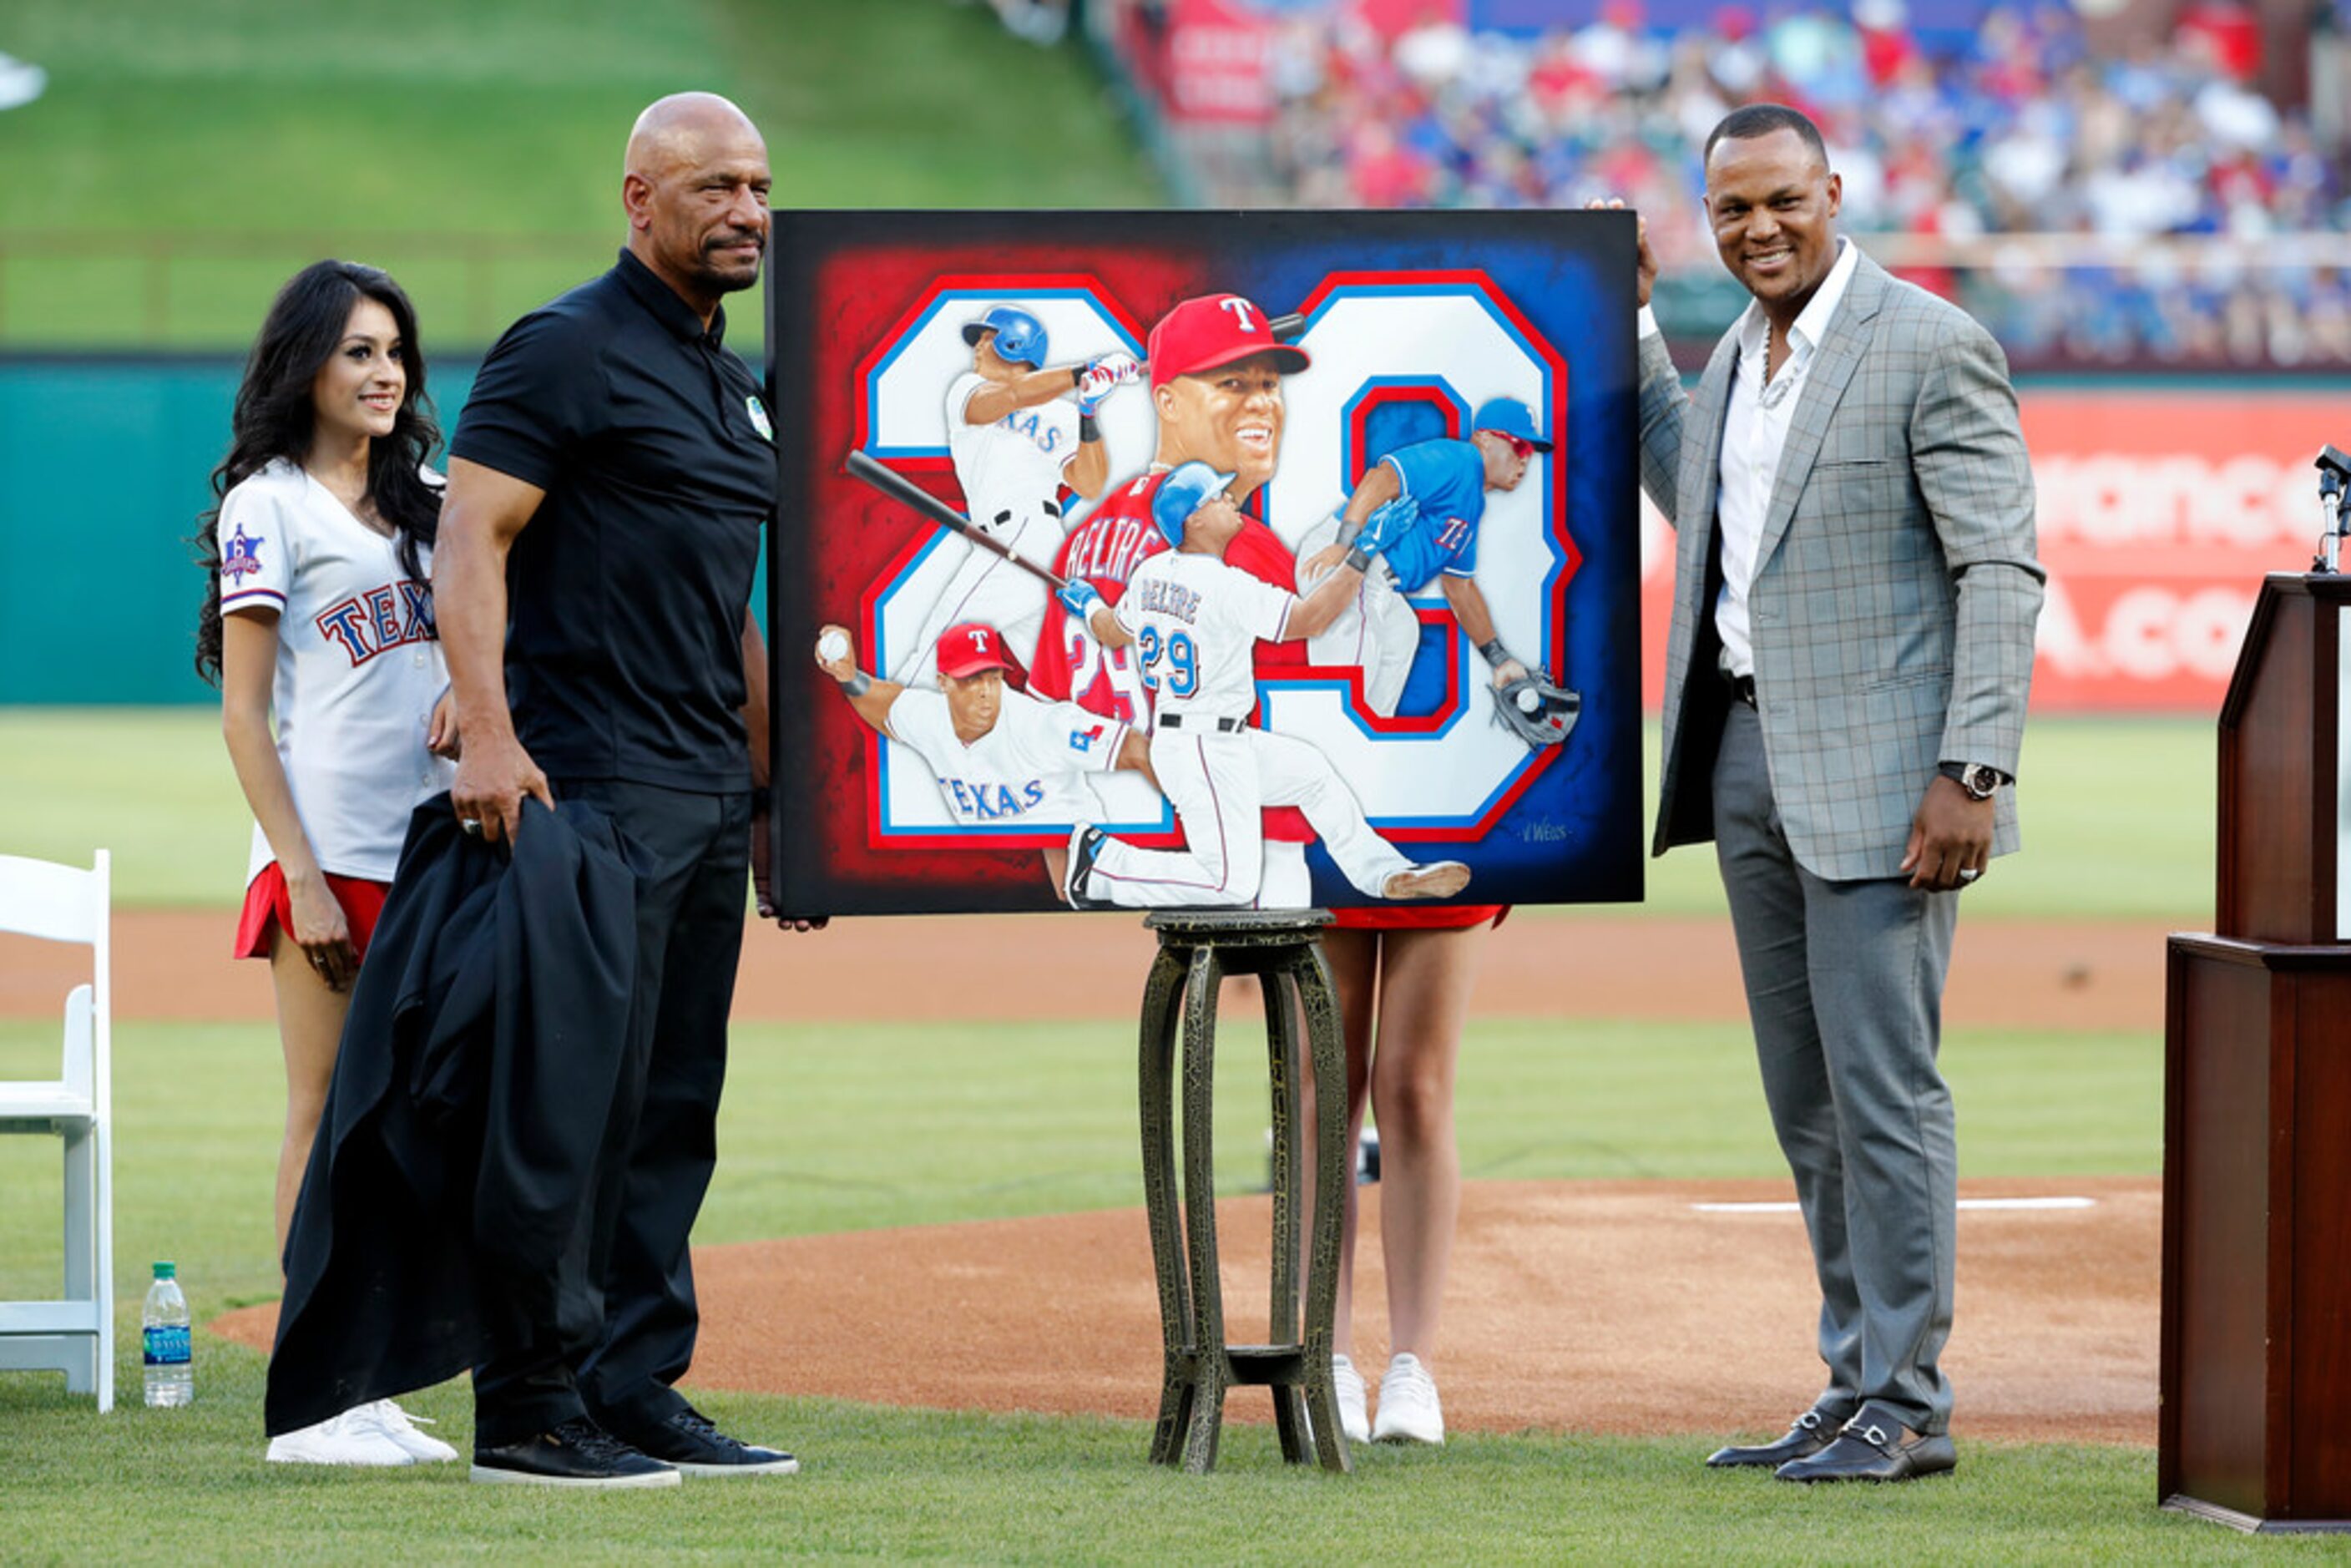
(1151,560)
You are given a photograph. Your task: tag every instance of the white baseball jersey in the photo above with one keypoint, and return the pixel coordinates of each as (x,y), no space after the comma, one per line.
(359,666)
(1195,623)
(1010,471)
(1026,771)
(1014,462)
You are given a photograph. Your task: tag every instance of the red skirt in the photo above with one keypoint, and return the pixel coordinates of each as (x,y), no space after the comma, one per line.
(268,903)
(1418,916)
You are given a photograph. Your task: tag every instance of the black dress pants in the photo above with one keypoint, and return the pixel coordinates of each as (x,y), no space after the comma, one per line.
(625,1321)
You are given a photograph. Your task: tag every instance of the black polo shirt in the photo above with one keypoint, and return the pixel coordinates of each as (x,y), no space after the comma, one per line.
(627,590)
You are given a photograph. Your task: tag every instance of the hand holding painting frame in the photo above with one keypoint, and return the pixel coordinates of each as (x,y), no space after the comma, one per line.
(1040,381)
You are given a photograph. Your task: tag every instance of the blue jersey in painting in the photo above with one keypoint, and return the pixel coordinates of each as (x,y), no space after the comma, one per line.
(1446,481)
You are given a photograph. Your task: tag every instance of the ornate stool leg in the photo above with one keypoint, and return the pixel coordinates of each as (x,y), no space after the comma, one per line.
(1210,1371)
(1333,1171)
(1289,1197)
(1161,1019)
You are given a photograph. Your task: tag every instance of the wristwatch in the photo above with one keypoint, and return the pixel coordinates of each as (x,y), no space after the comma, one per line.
(1978,779)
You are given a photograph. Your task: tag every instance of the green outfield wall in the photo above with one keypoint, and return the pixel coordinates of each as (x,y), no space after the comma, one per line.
(2161,506)
(104,470)
(105,464)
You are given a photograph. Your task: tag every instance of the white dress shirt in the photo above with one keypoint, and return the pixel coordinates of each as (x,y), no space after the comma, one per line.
(1754,435)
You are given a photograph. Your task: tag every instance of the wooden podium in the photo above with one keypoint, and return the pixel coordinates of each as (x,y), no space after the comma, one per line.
(2256,1358)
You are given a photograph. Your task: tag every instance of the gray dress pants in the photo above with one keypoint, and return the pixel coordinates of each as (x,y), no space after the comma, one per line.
(1844,988)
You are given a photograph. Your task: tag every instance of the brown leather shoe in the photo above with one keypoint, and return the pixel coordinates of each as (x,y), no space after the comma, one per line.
(1807,1435)
(1875,1446)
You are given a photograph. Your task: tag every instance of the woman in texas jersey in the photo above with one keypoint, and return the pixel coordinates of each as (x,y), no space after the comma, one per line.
(320,611)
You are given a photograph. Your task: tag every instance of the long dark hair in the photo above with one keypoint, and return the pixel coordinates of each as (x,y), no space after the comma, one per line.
(274,415)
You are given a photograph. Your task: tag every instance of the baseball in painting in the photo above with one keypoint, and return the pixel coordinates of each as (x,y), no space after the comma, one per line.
(1203,561)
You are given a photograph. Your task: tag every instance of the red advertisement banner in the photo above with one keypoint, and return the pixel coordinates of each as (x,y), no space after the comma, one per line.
(1204,61)
(2160,509)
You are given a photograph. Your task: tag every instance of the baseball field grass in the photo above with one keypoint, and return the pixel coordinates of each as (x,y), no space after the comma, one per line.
(2101,842)
(821,1132)
(470,147)
(857,1127)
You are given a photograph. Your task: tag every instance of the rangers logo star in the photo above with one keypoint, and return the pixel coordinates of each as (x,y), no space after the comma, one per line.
(240,556)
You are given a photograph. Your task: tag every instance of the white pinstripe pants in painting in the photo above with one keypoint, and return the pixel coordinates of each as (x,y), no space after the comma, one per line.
(1220,781)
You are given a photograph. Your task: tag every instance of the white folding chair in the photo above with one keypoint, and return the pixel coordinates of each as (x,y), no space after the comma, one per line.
(74,1335)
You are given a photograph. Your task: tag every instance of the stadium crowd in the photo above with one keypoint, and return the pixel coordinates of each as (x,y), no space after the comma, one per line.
(2016,129)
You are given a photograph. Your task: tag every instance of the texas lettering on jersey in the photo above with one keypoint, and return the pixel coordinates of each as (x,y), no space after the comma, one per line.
(976,802)
(1028,423)
(391,615)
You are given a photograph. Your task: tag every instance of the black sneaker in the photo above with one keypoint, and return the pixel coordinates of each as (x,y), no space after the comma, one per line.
(687,1441)
(1086,847)
(576,1453)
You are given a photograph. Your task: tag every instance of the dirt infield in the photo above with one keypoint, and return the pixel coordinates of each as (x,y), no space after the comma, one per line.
(1587,1306)
(172,965)
(1598,1307)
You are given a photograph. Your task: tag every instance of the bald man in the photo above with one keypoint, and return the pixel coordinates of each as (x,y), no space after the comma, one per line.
(608,482)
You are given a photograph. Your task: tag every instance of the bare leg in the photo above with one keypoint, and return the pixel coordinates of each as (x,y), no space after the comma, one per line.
(1425,984)
(310,1026)
(1354,957)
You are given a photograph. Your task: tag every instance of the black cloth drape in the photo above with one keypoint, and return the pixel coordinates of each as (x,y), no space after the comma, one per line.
(458,1147)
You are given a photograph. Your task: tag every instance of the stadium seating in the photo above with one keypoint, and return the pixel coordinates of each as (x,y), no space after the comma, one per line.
(2095,207)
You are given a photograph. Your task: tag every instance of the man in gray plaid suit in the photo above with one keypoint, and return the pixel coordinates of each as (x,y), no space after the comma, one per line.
(1855,597)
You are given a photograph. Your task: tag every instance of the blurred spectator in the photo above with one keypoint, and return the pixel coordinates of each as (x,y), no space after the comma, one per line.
(2016,128)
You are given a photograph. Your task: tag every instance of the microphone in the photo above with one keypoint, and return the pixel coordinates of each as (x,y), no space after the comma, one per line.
(2334,469)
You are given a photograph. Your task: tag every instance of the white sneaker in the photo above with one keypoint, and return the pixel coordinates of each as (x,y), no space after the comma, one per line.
(401,1427)
(353,1437)
(1409,1412)
(1354,1415)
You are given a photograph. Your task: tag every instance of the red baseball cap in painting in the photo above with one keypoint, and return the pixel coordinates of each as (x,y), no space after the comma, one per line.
(973,646)
(1212,331)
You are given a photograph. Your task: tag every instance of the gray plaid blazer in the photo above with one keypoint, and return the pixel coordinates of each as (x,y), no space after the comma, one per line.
(1895,588)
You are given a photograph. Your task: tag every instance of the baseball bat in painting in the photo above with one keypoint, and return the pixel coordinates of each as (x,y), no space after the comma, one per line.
(900,488)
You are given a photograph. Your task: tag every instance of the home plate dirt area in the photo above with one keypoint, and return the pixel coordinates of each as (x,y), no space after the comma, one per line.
(1618,1307)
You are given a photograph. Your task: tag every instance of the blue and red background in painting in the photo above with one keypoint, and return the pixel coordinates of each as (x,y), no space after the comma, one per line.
(846,290)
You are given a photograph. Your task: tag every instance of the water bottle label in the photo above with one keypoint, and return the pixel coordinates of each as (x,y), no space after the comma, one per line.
(168,1346)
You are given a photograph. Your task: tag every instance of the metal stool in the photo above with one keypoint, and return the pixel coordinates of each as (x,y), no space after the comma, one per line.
(1197,951)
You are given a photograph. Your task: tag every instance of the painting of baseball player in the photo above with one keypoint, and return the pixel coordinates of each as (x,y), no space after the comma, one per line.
(1438,489)
(1002,758)
(1194,619)
(1216,371)
(1018,431)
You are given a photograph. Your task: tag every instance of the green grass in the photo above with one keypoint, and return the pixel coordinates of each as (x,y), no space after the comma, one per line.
(820,1135)
(2118,816)
(187,158)
(896,1485)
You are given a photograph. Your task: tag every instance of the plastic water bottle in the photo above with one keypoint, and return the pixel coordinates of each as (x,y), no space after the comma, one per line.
(171,1377)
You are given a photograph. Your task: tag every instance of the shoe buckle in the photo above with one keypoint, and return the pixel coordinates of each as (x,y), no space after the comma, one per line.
(1810,1421)
(1875,1436)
